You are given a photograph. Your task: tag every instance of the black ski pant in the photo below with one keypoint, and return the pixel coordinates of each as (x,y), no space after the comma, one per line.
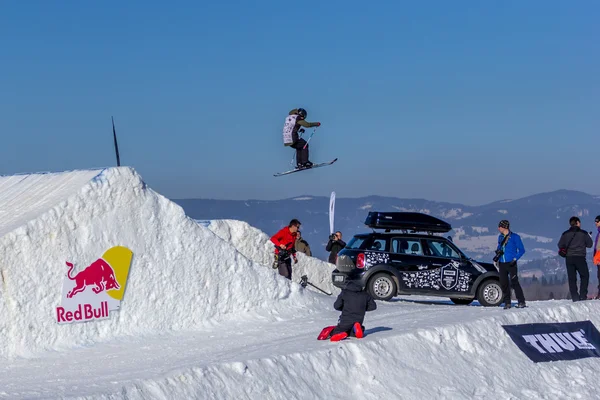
(301,152)
(576,265)
(285,268)
(506,270)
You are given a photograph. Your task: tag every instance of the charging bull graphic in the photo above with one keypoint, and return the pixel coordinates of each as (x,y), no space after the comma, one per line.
(99,274)
(97,289)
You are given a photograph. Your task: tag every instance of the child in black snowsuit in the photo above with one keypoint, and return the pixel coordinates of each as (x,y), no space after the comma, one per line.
(353,302)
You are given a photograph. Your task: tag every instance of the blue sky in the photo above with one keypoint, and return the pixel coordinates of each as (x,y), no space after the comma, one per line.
(451,101)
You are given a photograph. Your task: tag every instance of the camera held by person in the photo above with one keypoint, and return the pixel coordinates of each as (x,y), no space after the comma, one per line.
(499,254)
(334,245)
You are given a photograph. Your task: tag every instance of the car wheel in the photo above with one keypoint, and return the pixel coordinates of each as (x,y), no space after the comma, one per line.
(490,293)
(382,286)
(462,301)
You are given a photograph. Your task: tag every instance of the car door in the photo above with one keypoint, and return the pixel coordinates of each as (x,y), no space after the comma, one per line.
(446,265)
(407,257)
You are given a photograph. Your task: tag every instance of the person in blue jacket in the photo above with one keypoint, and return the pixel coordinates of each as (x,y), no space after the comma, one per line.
(510,249)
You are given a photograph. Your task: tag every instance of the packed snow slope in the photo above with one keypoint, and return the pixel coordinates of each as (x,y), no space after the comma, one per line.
(423,349)
(257,246)
(182,275)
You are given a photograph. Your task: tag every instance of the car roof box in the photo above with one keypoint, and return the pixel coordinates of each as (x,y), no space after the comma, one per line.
(408,221)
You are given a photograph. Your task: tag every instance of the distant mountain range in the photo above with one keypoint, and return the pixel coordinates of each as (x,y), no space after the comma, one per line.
(539,219)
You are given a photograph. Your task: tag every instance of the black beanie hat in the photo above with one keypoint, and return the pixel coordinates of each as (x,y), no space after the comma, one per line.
(504,224)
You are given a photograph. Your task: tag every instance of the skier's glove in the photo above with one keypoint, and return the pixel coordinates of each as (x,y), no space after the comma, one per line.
(318,123)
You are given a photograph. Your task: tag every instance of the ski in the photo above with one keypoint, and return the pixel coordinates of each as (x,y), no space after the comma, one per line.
(305,169)
(325,333)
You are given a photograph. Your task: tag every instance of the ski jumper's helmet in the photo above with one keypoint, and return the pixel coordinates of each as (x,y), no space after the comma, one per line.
(302,112)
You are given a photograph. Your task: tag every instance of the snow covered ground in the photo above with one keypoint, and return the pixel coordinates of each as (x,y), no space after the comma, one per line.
(205,316)
(414,349)
(256,245)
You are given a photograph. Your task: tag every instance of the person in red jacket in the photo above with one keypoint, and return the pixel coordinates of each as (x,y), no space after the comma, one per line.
(284,242)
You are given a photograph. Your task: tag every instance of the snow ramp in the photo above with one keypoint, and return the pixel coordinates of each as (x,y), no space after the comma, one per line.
(257,246)
(181,276)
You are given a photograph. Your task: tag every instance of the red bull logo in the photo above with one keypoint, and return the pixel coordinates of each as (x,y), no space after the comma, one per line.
(82,314)
(95,290)
(99,274)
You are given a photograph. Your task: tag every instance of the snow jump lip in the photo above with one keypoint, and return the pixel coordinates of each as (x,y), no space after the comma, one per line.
(24,197)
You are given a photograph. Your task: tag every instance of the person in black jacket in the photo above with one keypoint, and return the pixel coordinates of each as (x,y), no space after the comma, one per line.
(575,241)
(334,245)
(353,302)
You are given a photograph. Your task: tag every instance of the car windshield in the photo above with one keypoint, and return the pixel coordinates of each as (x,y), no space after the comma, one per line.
(355,242)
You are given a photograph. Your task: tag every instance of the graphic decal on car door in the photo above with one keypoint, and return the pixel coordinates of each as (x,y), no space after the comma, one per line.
(422,279)
(374,258)
(448,277)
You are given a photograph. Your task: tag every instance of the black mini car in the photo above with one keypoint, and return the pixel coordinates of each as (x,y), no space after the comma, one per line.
(401,261)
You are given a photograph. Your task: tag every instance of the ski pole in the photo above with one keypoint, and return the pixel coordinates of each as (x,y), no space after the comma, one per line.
(318,288)
(311,135)
(304,281)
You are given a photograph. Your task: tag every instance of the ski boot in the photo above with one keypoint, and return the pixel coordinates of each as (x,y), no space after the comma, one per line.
(339,336)
(358,330)
(521,305)
(507,306)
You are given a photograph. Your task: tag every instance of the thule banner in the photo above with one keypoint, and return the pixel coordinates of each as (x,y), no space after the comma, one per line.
(556,342)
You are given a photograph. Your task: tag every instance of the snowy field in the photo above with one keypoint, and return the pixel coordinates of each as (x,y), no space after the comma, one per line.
(204,316)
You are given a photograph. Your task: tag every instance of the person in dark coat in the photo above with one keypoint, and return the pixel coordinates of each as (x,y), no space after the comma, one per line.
(334,246)
(302,245)
(576,241)
(353,302)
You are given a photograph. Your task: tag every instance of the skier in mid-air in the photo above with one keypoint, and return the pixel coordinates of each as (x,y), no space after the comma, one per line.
(294,123)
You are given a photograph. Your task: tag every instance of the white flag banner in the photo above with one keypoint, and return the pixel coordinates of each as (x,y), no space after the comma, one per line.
(331,211)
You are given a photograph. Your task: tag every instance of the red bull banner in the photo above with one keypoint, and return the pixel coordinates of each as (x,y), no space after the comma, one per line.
(97,289)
